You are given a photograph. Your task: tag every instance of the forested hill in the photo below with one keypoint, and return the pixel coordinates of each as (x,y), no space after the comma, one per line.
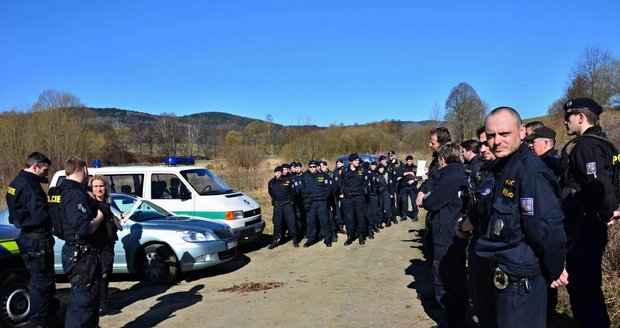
(117,118)
(124,118)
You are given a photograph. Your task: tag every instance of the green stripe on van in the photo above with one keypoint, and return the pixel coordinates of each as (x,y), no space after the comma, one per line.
(206,215)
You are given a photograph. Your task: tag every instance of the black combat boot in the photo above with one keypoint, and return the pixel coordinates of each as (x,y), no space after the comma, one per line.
(335,237)
(341,229)
(274,243)
(363,240)
(349,241)
(295,242)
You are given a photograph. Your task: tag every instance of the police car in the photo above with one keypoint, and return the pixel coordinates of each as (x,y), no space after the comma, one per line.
(185,190)
(13,280)
(156,244)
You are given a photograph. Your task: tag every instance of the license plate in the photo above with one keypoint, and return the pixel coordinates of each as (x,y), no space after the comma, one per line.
(231,244)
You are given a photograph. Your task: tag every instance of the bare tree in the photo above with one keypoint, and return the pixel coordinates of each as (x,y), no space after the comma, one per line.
(192,136)
(593,73)
(167,127)
(50,99)
(464,111)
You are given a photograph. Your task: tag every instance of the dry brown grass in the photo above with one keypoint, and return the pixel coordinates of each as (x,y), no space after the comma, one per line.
(252,182)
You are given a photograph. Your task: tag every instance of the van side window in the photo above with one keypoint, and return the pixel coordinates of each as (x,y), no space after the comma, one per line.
(168,186)
(130,184)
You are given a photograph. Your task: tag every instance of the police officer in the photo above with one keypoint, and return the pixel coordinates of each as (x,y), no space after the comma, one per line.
(316,188)
(353,191)
(372,214)
(81,256)
(393,168)
(338,216)
(525,241)
(542,143)
(472,159)
(446,204)
(298,200)
(282,192)
(332,206)
(28,211)
(438,137)
(407,190)
(476,221)
(589,198)
(531,126)
(385,197)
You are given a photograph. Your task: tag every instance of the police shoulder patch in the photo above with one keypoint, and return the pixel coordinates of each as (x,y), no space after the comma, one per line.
(527,206)
(591,168)
(82,208)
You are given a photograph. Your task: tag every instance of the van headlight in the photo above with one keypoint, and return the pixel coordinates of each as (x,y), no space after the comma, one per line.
(195,237)
(234,215)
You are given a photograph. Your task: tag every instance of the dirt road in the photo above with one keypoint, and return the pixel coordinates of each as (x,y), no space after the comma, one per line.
(371,286)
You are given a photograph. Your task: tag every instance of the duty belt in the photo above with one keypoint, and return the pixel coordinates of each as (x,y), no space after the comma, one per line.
(501,280)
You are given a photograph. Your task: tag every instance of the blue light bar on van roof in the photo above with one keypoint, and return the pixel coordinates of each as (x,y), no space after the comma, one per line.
(179,160)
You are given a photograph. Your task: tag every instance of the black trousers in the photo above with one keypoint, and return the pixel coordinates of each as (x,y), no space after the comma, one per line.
(284,213)
(354,209)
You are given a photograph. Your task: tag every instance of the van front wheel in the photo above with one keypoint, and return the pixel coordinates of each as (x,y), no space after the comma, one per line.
(159,264)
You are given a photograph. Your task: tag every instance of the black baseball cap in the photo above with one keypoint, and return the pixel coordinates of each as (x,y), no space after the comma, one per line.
(278,168)
(541,132)
(585,103)
(409,157)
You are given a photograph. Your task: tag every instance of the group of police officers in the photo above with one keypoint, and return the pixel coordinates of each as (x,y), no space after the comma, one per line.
(524,218)
(505,230)
(75,218)
(360,196)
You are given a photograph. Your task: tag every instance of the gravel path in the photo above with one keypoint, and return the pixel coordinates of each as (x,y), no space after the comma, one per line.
(355,286)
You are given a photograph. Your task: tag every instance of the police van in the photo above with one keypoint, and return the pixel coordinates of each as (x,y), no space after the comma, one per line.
(185,190)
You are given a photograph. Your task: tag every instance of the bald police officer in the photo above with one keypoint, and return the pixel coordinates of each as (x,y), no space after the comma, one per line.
(525,240)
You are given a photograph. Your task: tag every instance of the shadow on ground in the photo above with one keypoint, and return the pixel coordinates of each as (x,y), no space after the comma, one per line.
(421,271)
(166,307)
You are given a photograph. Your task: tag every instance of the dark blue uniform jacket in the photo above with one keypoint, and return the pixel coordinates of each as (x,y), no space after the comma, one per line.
(481,197)
(445,202)
(79,207)
(525,236)
(27,203)
(473,170)
(281,190)
(353,182)
(316,186)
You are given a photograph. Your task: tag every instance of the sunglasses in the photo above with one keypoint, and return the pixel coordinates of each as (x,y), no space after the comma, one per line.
(567,115)
(312,166)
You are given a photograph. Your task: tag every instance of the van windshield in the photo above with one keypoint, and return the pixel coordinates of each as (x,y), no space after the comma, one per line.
(205,182)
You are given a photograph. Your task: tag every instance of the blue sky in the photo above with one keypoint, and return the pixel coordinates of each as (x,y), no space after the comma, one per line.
(318,62)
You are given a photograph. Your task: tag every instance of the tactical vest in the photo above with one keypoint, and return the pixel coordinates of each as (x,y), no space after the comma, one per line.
(568,148)
(60,224)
